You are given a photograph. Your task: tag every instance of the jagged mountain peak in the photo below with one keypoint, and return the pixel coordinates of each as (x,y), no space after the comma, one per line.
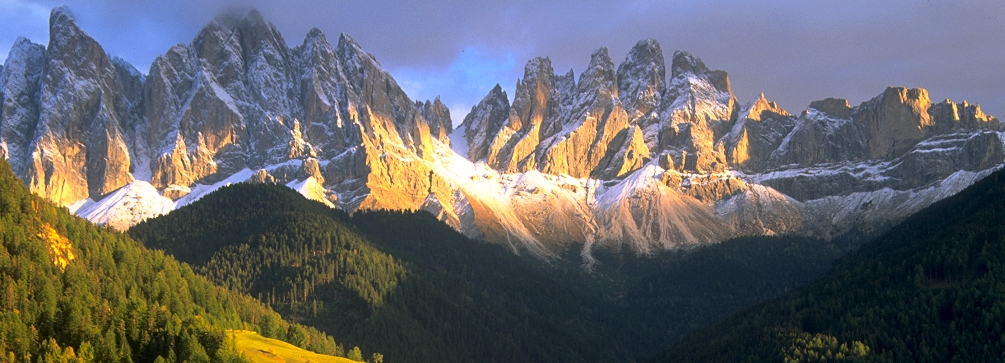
(837,107)
(538,70)
(315,35)
(496,92)
(437,116)
(600,74)
(642,78)
(647,56)
(256,32)
(472,138)
(62,15)
(685,63)
(348,46)
(760,108)
(355,59)
(64,32)
(254,17)
(22,42)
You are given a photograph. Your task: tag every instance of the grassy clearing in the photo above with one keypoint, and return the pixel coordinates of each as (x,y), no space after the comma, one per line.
(259,349)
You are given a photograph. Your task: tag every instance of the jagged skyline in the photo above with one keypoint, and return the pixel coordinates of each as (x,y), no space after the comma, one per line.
(793,52)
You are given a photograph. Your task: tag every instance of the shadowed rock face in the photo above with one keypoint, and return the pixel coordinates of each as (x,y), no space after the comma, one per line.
(835,107)
(623,156)
(19,84)
(642,79)
(483,123)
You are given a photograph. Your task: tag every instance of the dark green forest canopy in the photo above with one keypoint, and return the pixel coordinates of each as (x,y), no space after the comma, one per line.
(412,287)
(930,290)
(71,291)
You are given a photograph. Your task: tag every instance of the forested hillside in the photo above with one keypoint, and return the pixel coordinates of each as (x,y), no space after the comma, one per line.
(74,292)
(412,287)
(930,290)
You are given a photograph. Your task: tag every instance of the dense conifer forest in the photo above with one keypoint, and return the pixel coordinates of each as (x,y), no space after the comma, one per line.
(930,290)
(413,288)
(75,292)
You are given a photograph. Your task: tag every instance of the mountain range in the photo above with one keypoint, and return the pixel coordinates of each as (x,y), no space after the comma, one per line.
(627,156)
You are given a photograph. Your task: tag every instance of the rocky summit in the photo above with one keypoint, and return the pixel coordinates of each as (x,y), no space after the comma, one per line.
(624,155)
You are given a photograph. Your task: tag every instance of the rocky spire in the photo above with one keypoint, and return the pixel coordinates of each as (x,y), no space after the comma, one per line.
(684,62)
(759,129)
(642,78)
(437,115)
(80,147)
(536,102)
(594,119)
(482,124)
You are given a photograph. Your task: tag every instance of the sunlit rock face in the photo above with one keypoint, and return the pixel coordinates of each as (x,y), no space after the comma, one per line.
(630,155)
(759,129)
(69,113)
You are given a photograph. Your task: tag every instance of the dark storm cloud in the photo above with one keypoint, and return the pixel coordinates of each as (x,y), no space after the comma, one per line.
(793,51)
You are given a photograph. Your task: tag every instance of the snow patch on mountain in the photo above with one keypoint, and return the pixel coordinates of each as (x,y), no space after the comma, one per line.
(130,204)
(202,190)
(311,189)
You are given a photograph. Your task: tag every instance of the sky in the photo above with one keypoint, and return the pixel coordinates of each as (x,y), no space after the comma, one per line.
(794,51)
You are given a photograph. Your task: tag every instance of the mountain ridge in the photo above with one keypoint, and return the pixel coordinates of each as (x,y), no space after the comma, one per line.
(565,162)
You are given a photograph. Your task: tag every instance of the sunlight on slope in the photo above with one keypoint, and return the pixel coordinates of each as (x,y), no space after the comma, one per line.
(259,349)
(60,247)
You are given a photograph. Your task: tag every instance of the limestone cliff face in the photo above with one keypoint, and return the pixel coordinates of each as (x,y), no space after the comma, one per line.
(625,154)
(697,110)
(86,111)
(759,130)
(954,117)
(532,117)
(818,138)
(595,119)
(894,121)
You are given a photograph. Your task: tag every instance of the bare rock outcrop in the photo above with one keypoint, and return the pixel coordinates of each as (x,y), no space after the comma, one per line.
(625,154)
(893,122)
(759,129)
(581,140)
(482,124)
(535,108)
(19,85)
(698,108)
(818,138)
(642,80)
(438,117)
(80,145)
